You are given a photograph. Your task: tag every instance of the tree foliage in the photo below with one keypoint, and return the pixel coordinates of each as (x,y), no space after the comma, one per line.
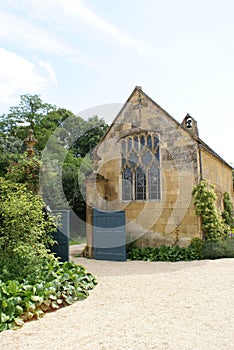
(26,171)
(32,113)
(10,149)
(24,232)
(60,135)
(92,132)
(74,174)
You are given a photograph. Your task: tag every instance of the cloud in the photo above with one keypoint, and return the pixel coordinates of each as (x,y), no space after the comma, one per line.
(17,76)
(27,34)
(71,16)
(47,66)
(77,10)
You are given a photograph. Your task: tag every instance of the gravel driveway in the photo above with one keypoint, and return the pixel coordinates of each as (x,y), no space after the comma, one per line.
(141,305)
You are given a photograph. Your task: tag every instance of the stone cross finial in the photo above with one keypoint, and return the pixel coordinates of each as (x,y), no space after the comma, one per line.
(30,141)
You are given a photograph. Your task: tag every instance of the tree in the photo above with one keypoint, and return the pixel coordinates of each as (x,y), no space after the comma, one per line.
(81,137)
(10,149)
(73,177)
(31,110)
(33,113)
(49,123)
(57,130)
(29,113)
(92,132)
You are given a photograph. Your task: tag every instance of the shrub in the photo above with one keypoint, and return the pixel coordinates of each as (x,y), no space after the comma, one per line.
(196,245)
(219,249)
(57,285)
(26,171)
(24,232)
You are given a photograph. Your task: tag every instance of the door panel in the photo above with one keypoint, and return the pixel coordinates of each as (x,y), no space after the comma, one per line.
(61,236)
(109,236)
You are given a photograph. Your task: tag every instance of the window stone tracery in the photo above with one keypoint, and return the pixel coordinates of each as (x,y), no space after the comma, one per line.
(141,167)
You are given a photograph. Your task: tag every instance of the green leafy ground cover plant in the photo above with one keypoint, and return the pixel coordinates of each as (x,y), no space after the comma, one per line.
(167,253)
(197,250)
(58,285)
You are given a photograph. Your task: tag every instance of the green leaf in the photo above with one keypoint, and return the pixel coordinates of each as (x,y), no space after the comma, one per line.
(54,305)
(3,327)
(19,321)
(39,313)
(52,297)
(4,303)
(69,300)
(12,326)
(81,296)
(4,317)
(36,298)
(19,310)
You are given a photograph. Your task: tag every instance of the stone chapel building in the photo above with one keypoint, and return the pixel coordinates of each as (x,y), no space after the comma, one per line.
(146,165)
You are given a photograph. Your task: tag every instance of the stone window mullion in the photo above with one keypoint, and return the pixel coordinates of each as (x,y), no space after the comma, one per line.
(143,161)
(133,185)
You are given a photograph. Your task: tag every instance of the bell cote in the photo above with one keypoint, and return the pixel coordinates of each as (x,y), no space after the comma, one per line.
(190,124)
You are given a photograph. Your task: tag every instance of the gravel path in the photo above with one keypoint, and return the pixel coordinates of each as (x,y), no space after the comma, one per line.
(141,305)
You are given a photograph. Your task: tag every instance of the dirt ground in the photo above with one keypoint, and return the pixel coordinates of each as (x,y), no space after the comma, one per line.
(141,305)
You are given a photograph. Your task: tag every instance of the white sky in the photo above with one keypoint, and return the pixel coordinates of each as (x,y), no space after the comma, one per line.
(79,54)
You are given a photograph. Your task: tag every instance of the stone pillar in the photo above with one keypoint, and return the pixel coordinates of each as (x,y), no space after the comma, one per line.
(30,142)
(95,194)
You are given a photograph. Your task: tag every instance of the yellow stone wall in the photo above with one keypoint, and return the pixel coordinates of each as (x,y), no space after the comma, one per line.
(218,174)
(155,222)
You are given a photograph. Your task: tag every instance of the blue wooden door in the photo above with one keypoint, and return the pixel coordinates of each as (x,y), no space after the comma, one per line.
(109,235)
(61,236)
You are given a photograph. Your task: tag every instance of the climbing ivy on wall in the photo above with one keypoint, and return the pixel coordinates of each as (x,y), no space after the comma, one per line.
(227,213)
(205,198)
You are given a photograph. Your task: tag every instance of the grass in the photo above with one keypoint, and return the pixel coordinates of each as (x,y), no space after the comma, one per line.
(80,240)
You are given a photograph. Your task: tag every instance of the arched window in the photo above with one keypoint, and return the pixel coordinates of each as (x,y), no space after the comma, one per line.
(141,167)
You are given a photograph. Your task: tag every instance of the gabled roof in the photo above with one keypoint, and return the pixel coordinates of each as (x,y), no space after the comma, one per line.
(138,88)
(207,148)
(199,141)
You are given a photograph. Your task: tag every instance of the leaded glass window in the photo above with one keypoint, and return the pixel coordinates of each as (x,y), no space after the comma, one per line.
(154,182)
(136,143)
(140,184)
(157,155)
(141,167)
(133,159)
(129,144)
(149,141)
(142,141)
(127,184)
